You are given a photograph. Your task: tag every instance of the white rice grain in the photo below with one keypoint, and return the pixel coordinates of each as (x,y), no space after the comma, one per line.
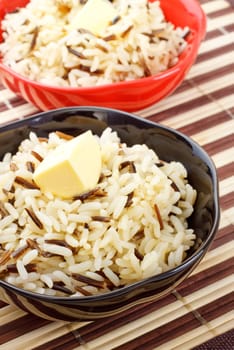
(56,249)
(30,256)
(45,278)
(111,276)
(79,268)
(21,270)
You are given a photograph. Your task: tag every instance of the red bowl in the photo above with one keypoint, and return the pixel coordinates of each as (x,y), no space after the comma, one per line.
(130,95)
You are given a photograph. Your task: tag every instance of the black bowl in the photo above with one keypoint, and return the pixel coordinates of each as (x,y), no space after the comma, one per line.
(169,145)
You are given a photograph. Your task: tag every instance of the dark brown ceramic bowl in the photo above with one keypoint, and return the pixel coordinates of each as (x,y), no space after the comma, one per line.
(169,145)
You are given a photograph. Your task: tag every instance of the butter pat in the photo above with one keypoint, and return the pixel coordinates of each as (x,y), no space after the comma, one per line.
(72,168)
(95,16)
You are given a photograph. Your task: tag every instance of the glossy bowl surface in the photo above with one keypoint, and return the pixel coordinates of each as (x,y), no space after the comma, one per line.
(169,145)
(128,96)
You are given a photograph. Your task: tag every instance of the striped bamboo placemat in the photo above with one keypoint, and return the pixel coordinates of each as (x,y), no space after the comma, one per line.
(197,315)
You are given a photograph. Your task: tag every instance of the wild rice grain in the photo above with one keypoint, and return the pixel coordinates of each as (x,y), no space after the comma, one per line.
(26,183)
(3,210)
(34,218)
(5,257)
(37,156)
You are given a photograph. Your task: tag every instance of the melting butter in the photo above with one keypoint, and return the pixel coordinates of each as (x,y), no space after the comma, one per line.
(95,16)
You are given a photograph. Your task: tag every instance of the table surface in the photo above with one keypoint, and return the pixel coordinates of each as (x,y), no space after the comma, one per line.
(198,313)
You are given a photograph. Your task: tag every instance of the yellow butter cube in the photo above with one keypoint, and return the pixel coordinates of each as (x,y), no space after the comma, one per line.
(72,168)
(95,16)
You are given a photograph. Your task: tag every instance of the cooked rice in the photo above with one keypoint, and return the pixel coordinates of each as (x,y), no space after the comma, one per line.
(39,44)
(133,226)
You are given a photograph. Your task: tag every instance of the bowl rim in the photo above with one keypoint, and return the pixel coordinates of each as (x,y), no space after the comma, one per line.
(188,262)
(185,60)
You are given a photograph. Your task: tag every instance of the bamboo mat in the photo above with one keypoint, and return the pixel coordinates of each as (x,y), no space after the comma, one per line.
(197,315)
